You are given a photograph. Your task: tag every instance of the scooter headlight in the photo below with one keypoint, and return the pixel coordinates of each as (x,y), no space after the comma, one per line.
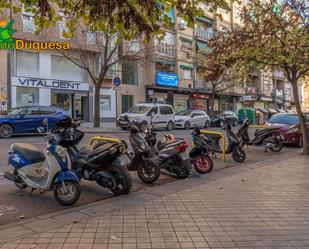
(61,152)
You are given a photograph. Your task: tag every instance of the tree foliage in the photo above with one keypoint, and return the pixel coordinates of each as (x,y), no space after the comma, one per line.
(273,37)
(130,18)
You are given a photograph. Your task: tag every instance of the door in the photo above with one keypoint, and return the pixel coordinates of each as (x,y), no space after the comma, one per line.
(166,115)
(29,120)
(155,119)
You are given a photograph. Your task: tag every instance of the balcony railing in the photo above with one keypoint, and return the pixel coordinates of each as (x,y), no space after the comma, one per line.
(165,50)
(204,34)
(278,74)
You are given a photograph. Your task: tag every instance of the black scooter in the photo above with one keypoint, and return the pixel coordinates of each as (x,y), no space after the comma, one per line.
(199,154)
(104,163)
(270,138)
(147,170)
(234,145)
(167,152)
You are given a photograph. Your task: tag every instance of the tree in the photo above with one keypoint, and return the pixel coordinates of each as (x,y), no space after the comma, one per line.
(220,74)
(129,18)
(273,37)
(106,54)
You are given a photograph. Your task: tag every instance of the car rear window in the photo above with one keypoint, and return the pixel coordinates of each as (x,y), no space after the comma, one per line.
(284,119)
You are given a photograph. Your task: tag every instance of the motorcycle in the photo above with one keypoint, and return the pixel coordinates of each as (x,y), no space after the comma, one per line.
(199,154)
(147,170)
(103,162)
(48,170)
(234,145)
(270,138)
(166,153)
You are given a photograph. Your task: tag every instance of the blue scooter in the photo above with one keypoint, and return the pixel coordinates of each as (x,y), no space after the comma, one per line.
(48,170)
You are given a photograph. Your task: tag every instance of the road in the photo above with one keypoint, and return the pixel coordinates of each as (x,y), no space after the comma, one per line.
(21,204)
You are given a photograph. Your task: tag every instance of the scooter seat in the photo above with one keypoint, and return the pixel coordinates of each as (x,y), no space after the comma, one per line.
(89,151)
(29,152)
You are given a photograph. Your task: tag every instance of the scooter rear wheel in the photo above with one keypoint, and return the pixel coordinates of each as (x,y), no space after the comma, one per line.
(148,171)
(19,183)
(65,198)
(203,164)
(278,145)
(123,180)
(239,155)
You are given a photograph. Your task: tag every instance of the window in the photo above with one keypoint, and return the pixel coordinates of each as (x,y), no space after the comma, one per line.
(28,22)
(153,109)
(186,46)
(47,110)
(91,38)
(31,111)
(105,103)
(63,26)
(267,85)
(166,110)
(27,96)
(62,68)
(186,73)
(134,45)
(27,63)
(130,72)
(127,102)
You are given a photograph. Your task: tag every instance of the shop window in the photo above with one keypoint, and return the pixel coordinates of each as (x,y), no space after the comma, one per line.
(127,102)
(130,72)
(62,100)
(64,69)
(27,63)
(166,110)
(186,73)
(105,103)
(27,96)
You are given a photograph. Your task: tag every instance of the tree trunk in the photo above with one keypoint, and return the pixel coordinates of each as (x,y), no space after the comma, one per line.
(212,102)
(301,117)
(96,118)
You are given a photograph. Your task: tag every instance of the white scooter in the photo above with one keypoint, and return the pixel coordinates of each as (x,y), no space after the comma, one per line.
(48,170)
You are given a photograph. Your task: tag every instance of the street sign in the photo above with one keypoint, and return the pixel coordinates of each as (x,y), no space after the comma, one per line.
(117,88)
(116,81)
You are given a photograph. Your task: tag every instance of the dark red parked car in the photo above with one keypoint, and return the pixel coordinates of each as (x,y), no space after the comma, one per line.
(289,127)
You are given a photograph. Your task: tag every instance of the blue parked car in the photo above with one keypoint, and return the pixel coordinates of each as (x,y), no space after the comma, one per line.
(28,119)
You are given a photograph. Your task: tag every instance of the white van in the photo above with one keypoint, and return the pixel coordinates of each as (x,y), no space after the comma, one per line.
(141,113)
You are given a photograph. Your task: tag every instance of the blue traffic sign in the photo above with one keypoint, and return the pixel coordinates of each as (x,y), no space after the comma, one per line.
(117,81)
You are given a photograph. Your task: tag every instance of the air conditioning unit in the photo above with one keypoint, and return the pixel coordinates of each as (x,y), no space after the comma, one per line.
(182,25)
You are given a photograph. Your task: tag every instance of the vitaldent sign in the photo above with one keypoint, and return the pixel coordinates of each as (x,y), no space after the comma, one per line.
(50,84)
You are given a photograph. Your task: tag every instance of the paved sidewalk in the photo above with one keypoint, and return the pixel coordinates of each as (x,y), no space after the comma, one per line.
(262,205)
(106,127)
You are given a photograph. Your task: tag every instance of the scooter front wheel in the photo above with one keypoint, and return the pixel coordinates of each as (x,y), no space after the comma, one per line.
(148,171)
(67,192)
(239,155)
(203,164)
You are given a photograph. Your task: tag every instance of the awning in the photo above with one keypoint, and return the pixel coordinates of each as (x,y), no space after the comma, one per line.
(272,111)
(201,45)
(263,110)
(186,66)
(205,19)
(166,62)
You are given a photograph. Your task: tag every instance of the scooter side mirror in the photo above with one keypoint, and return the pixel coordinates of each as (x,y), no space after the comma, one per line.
(41,130)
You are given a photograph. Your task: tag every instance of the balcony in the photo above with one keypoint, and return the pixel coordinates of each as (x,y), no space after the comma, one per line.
(204,34)
(165,50)
(278,74)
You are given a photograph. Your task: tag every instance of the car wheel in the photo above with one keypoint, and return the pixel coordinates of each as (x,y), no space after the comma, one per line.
(170,126)
(207,124)
(187,125)
(6,131)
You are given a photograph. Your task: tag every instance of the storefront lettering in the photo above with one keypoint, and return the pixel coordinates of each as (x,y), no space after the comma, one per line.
(49,84)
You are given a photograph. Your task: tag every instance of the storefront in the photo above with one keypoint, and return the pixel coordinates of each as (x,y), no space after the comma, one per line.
(49,80)
(200,101)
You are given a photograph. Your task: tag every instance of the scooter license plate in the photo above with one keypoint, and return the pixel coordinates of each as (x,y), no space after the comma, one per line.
(123,160)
